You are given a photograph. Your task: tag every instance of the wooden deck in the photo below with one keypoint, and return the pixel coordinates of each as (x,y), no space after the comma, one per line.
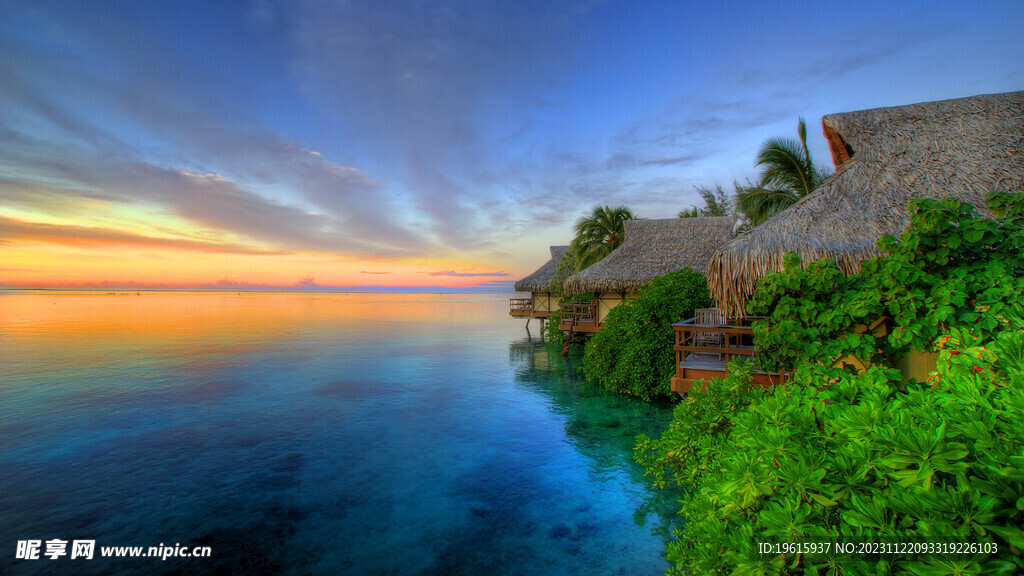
(520,307)
(696,362)
(579,317)
(534,307)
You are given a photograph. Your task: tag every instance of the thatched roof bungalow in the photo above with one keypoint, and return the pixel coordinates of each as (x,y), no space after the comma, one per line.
(884,157)
(541,303)
(651,248)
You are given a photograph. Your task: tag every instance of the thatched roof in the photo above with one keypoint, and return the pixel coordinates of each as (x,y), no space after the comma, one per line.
(885,157)
(540,281)
(652,248)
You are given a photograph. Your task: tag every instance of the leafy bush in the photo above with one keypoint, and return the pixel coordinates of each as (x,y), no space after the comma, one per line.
(950,267)
(551,330)
(566,268)
(834,457)
(633,352)
(700,424)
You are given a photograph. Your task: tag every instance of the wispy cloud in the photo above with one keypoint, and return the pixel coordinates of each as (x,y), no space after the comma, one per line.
(823,60)
(46,171)
(202,161)
(424,76)
(305,285)
(467,274)
(13,230)
(399,128)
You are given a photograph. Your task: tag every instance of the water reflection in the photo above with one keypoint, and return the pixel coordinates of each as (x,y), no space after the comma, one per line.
(313,434)
(601,425)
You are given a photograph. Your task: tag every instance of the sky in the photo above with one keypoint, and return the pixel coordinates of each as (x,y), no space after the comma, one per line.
(307,143)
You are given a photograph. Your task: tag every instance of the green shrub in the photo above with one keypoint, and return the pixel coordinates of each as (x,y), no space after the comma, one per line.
(633,353)
(551,330)
(566,268)
(700,424)
(836,457)
(950,267)
(854,458)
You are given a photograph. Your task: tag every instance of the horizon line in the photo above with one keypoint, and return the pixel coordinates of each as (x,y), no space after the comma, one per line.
(270,289)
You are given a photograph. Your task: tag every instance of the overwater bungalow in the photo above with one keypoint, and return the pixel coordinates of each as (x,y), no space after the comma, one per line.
(541,303)
(706,343)
(651,248)
(884,157)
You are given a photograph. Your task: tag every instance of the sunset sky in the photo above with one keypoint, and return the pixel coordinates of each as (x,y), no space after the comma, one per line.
(421,143)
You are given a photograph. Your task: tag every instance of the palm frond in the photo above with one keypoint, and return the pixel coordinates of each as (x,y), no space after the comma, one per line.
(892,155)
(598,234)
(785,166)
(760,203)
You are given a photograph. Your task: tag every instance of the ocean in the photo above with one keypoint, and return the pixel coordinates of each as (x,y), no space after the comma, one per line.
(295,433)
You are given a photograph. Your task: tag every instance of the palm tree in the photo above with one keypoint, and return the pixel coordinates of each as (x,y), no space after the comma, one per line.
(789,174)
(599,234)
(716,203)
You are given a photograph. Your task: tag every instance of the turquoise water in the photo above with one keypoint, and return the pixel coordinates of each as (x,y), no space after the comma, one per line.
(313,434)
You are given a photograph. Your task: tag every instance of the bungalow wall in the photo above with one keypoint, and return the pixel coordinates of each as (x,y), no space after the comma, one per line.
(544,304)
(605,302)
(916,364)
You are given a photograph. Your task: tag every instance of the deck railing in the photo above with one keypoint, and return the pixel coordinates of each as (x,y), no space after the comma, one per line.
(737,339)
(520,304)
(579,313)
(699,357)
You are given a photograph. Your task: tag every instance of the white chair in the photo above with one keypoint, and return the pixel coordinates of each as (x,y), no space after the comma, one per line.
(711,316)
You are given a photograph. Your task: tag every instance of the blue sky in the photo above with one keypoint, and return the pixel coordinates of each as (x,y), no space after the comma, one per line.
(424,137)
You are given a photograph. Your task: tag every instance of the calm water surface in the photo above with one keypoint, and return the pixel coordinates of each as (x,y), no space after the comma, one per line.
(313,434)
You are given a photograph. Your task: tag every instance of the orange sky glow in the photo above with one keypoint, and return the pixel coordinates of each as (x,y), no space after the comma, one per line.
(68,254)
(145,144)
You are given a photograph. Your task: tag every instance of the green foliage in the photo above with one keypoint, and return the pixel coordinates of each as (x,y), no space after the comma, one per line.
(836,457)
(950,267)
(692,212)
(633,352)
(566,267)
(598,234)
(700,424)
(551,331)
(788,174)
(716,203)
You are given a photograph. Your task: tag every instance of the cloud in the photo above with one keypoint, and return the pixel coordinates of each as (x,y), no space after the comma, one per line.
(826,59)
(497,285)
(492,287)
(371,272)
(202,158)
(623,160)
(15,230)
(51,174)
(467,274)
(414,87)
(403,128)
(428,79)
